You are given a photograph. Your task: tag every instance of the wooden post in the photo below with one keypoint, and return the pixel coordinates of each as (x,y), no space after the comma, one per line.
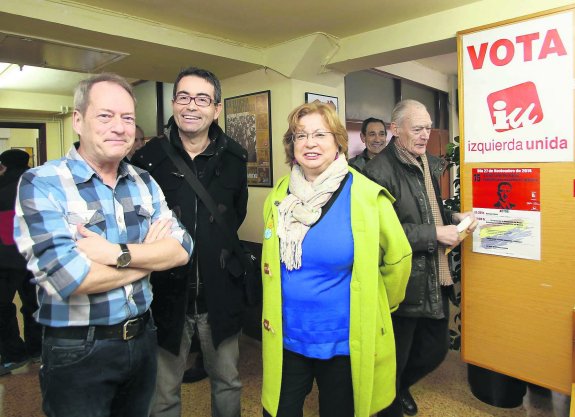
(573,356)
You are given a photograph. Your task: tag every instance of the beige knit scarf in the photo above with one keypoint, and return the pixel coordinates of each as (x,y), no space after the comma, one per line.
(302,208)
(404,155)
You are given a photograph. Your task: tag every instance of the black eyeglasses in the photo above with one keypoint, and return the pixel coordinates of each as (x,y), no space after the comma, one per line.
(301,136)
(201,101)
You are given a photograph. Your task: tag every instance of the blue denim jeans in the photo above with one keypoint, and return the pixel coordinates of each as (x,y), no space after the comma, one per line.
(221,365)
(99,378)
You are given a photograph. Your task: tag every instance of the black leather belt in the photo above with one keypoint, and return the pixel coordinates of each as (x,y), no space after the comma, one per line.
(125,330)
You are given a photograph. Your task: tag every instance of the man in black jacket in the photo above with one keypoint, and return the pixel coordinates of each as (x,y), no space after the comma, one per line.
(374,136)
(13,274)
(412,176)
(206,296)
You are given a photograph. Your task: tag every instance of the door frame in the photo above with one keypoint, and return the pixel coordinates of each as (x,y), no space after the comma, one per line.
(41,143)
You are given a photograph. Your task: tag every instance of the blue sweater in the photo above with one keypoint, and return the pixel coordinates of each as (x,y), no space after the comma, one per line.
(316,297)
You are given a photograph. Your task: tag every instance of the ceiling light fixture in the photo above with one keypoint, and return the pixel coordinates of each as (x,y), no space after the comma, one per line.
(37,52)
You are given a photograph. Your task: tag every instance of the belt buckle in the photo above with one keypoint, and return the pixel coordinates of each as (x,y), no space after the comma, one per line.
(125,334)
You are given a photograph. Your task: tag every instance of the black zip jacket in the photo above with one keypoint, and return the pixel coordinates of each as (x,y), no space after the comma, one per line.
(222,170)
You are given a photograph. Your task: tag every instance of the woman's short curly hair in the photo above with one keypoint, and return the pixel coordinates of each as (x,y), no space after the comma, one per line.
(330,118)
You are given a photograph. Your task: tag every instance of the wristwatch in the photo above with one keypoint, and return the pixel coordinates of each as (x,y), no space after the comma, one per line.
(124,258)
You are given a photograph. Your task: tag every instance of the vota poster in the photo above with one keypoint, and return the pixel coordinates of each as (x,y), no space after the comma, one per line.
(507,205)
(518,91)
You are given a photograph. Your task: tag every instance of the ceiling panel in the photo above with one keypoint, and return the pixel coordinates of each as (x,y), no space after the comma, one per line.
(254,23)
(264,23)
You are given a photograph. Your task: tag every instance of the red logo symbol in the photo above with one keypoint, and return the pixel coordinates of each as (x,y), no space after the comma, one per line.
(515,107)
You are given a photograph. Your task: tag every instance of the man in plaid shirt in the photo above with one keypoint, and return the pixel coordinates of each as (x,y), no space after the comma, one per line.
(92,228)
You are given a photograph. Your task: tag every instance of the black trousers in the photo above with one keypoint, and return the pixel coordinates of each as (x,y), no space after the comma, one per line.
(421,345)
(333,377)
(12,347)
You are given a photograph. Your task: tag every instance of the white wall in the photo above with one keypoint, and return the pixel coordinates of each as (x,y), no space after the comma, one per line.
(421,74)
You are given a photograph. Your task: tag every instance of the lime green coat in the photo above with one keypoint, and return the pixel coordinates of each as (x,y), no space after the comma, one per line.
(380,272)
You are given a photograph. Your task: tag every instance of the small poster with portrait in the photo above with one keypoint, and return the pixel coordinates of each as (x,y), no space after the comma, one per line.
(322,98)
(248,121)
(507,204)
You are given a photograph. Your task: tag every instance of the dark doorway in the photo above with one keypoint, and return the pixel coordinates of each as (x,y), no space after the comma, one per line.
(41,143)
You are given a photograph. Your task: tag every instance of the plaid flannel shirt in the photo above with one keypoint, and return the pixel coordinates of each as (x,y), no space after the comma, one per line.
(52,200)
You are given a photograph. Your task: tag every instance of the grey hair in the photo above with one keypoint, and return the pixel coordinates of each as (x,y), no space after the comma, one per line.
(82,91)
(401,108)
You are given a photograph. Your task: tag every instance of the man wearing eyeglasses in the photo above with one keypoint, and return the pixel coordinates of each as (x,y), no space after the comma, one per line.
(374,136)
(204,297)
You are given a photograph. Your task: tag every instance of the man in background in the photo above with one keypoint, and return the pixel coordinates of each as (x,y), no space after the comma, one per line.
(412,176)
(206,297)
(374,135)
(139,142)
(14,276)
(92,228)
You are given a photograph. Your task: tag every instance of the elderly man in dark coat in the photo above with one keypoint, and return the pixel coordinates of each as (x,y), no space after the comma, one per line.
(412,176)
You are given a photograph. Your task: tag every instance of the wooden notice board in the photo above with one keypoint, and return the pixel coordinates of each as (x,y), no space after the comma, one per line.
(517,312)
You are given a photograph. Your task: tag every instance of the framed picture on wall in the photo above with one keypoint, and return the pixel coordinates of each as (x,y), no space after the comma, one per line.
(30,151)
(248,121)
(311,97)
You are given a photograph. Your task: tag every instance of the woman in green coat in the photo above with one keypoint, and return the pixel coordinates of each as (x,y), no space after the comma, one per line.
(335,264)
